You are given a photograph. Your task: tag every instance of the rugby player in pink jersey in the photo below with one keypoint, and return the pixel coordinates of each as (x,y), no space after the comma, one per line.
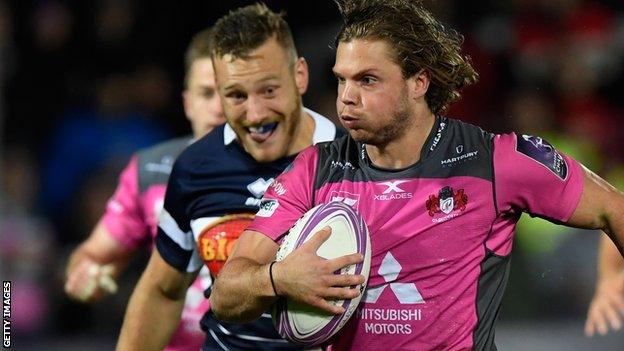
(131,217)
(441,198)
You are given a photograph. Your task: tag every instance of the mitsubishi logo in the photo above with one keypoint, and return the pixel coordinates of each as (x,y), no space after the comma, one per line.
(406,293)
(393,186)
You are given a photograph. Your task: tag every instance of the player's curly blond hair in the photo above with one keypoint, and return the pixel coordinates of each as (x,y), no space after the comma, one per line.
(418,41)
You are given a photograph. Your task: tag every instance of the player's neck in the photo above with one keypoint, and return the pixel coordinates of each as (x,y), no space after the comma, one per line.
(304,134)
(405,150)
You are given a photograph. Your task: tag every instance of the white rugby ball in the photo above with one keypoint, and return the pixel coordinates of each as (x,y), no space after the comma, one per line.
(307,325)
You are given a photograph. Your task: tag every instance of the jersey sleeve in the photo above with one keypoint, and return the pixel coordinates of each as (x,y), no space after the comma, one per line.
(288,197)
(175,241)
(532,176)
(124,218)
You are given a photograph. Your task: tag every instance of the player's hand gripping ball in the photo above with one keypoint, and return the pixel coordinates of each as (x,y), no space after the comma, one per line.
(307,325)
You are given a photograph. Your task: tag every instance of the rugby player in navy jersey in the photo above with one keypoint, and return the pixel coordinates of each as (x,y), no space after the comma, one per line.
(260,80)
(441,198)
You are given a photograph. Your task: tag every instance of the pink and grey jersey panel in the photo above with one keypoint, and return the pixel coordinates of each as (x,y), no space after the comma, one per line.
(441,229)
(132,218)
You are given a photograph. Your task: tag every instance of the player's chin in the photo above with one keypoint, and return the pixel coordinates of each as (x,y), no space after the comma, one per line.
(361,136)
(267,152)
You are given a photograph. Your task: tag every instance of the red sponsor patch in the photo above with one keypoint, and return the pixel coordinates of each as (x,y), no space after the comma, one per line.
(216,241)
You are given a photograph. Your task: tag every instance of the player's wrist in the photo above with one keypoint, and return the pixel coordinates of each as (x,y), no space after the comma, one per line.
(272,279)
(273,266)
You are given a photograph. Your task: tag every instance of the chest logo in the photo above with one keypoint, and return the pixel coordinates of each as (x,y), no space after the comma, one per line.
(393,186)
(393,191)
(447,201)
(257,188)
(406,293)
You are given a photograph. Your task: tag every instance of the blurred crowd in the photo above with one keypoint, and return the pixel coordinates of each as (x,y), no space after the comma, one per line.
(86,83)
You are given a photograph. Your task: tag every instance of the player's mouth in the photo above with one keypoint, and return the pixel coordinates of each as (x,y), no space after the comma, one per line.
(349,121)
(261,133)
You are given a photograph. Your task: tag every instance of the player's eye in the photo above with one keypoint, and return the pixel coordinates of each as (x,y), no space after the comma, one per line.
(237,96)
(208,93)
(270,91)
(368,80)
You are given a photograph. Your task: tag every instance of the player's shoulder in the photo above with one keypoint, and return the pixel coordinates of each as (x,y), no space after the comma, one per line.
(464,131)
(210,147)
(172,147)
(341,151)
(154,164)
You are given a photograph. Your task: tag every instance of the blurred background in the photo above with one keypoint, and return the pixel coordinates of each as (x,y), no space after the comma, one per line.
(86,83)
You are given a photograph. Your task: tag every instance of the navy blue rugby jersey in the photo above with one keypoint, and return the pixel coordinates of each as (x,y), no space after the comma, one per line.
(212,178)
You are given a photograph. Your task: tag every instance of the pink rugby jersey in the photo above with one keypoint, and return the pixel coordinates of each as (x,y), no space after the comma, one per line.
(441,229)
(132,218)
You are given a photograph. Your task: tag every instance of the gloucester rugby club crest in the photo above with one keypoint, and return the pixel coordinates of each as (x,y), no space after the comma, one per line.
(447,201)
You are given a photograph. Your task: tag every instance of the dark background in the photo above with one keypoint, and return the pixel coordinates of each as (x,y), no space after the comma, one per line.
(86,83)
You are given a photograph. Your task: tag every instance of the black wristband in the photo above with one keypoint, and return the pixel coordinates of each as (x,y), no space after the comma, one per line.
(271,276)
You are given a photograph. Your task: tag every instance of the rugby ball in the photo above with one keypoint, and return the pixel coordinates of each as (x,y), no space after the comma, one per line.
(304,324)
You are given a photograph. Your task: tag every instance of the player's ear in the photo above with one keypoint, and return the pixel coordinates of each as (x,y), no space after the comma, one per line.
(301,75)
(186,103)
(418,84)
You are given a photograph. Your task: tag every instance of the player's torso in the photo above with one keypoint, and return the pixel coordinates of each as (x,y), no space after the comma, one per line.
(428,225)
(227,183)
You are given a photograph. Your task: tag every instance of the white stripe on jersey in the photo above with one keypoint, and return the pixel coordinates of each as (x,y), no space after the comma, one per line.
(198,225)
(195,262)
(249,337)
(170,227)
(215,338)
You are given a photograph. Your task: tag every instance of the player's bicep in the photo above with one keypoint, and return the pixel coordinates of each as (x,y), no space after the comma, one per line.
(255,246)
(600,202)
(532,176)
(169,281)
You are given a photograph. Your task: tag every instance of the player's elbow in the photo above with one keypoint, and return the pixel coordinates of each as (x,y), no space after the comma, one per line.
(224,312)
(230,309)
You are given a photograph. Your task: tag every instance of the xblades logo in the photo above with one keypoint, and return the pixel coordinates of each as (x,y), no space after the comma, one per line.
(393,191)
(394,186)
(406,293)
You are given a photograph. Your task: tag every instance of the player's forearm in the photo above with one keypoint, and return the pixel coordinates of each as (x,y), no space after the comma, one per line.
(610,262)
(242,292)
(155,307)
(151,318)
